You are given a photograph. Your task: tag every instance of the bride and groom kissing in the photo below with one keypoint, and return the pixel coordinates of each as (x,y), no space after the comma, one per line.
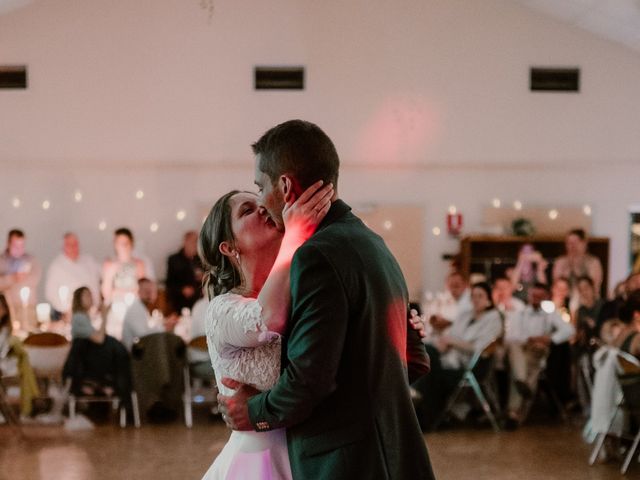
(308,327)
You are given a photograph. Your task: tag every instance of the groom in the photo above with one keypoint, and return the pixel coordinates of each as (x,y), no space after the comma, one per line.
(348,356)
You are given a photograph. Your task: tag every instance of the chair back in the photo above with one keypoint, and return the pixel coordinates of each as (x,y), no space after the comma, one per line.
(481,362)
(199,343)
(45,339)
(47,353)
(629,379)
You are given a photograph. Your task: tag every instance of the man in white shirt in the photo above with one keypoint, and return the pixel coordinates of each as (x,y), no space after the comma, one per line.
(18,269)
(503,298)
(69,271)
(456,306)
(138,321)
(528,337)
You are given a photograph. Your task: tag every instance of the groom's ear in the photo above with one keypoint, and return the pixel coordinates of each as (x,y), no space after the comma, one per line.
(288,188)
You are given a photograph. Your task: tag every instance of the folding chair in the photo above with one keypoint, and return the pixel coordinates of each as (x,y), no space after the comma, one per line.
(47,353)
(115,401)
(475,374)
(629,378)
(73,372)
(195,394)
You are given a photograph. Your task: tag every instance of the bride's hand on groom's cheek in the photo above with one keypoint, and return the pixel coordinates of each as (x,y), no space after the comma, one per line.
(234,409)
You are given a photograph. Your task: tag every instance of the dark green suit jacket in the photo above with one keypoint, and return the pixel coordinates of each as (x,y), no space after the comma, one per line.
(348,358)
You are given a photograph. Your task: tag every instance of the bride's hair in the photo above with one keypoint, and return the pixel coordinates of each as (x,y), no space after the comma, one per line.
(220,273)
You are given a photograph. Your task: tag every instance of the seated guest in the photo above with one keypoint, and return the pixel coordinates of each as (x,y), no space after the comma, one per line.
(611,308)
(508,305)
(586,316)
(530,268)
(69,271)
(120,275)
(11,346)
(528,337)
(577,262)
(456,304)
(560,296)
(452,352)
(503,298)
(559,361)
(617,335)
(18,269)
(97,363)
(587,341)
(81,325)
(184,274)
(628,340)
(137,321)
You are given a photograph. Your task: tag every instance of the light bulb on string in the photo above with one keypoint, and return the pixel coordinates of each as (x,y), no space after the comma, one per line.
(46,205)
(181,215)
(77,196)
(517,205)
(15,202)
(139,194)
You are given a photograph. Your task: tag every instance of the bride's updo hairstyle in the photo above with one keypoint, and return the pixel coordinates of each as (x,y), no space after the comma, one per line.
(220,273)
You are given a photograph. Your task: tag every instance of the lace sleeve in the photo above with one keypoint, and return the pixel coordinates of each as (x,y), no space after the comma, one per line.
(236,320)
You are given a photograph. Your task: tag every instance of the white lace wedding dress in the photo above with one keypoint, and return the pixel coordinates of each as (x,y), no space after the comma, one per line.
(241,348)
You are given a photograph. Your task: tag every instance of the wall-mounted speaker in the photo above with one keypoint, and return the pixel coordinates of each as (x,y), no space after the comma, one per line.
(13,76)
(279,78)
(554,79)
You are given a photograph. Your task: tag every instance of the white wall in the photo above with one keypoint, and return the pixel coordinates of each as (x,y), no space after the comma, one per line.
(426,100)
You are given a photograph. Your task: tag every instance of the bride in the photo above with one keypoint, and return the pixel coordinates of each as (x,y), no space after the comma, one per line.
(247,258)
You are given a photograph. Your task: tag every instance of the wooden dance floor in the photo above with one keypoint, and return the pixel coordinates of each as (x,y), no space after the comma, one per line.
(174,452)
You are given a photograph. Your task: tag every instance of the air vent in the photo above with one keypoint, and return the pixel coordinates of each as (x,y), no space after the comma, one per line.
(555,79)
(13,76)
(279,78)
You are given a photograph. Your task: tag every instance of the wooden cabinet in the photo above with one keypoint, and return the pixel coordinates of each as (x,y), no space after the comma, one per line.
(492,255)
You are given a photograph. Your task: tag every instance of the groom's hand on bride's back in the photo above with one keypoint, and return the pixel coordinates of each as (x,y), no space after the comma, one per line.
(234,409)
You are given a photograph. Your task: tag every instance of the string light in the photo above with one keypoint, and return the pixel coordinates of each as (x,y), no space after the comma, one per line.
(496,203)
(139,194)
(387,225)
(453,209)
(77,196)
(436,231)
(102,226)
(181,215)
(517,205)
(587,210)
(16,202)
(46,205)
(553,214)
(154,227)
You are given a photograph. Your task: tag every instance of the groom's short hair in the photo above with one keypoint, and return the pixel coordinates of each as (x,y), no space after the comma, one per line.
(300,149)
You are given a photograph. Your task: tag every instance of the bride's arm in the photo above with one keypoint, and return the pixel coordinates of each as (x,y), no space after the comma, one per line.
(301,218)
